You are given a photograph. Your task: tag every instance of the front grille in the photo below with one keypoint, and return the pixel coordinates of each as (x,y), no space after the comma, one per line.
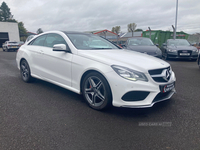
(157,75)
(162,96)
(159,79)
(184,51)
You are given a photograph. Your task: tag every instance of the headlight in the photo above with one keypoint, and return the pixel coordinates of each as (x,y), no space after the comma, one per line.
(172,50)
(195,50)
(129,74)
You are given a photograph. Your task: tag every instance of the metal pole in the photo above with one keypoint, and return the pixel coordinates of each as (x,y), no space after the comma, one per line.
(176,18)
(149,32)
(173,32)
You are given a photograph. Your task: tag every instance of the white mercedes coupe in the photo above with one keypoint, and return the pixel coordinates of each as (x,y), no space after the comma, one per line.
(92,66)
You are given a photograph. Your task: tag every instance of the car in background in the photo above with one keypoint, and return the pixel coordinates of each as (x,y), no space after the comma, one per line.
(21,43)
(198,60)
(143,45)
(94,67)
(10,46)
(179,49)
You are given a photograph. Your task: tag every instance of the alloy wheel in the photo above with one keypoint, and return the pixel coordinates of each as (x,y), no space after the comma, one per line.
(95,91)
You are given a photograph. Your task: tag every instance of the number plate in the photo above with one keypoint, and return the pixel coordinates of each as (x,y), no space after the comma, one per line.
(184,54)
(14,46)
(167,88)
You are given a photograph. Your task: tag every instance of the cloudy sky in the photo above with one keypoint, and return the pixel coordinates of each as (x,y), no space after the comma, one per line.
(89,15)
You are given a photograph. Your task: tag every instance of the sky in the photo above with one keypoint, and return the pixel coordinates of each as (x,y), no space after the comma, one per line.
(90,15)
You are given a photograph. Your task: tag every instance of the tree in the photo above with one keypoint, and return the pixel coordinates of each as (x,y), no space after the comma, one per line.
(39,31)
(22,29)
(131,27)
(116,29)
(138,30)
(5,13)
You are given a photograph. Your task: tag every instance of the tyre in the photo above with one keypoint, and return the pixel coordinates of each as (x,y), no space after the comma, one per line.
(199,63)
(96,91)
(166,56)
(3,49)
(25,71)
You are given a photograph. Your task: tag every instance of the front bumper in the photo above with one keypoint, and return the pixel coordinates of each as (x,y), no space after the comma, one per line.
(177,55)
(151,92)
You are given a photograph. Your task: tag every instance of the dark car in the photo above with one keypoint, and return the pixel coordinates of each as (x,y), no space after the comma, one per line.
(143,45)
(179,49)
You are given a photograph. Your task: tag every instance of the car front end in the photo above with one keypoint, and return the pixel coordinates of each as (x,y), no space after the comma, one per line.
(137,80)
(182,53)
(142,93)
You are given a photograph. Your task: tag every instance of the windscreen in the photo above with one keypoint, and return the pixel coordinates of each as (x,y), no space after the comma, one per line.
(140,42)
(90,42)
(178,43)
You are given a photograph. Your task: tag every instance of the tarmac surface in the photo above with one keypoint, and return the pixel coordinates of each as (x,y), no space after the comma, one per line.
(41,115)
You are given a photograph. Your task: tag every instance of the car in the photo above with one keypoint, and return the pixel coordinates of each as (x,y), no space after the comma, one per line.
(10,45)
(21,43)
(179,49)
(104,74)
(198,60)
(143,45)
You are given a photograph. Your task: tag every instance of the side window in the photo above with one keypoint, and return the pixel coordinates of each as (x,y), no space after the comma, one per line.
(53,39)
(39,41)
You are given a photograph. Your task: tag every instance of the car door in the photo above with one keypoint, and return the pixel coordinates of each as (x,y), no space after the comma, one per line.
(55,65)
(34,51)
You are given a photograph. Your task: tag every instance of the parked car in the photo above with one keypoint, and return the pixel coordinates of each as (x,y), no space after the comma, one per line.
(102,73)
(21,43)
(198,60)
(143,45)
(179,49)
(10,45)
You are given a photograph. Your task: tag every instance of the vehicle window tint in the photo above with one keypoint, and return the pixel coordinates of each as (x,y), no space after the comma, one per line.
(53,39)
(39,41)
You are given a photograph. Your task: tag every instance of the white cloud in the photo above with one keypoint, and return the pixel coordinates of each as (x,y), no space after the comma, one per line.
(86,15)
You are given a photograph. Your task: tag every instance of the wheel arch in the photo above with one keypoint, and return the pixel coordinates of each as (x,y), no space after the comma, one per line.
(89,71)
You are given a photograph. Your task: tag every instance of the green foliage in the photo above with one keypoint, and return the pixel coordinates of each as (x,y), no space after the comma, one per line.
(39,31)
(5,13)
(131,27)
(138,30)
(22,29)
(116,29)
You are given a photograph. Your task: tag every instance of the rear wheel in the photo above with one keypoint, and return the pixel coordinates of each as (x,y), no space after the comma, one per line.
(96,91)
(199,62)
(25,71)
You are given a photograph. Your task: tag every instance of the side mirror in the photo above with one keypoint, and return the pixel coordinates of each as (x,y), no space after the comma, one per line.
(156,44)
(164,44)
(61,47)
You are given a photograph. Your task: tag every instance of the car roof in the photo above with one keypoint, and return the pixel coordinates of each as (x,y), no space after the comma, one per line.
(75,32)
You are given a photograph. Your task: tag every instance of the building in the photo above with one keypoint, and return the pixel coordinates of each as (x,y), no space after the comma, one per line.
(9,31)
(105,33)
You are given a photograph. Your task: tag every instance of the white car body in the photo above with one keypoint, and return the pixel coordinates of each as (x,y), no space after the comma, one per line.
(67,70)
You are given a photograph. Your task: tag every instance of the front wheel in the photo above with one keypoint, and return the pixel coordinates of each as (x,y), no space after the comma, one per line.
(96,91)
(25,71)
(166,56)
(199,62)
